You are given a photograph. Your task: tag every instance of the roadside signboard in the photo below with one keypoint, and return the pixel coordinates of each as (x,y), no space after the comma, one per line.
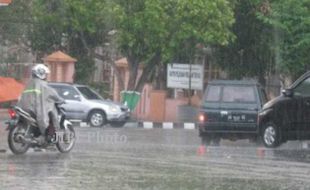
(178,76)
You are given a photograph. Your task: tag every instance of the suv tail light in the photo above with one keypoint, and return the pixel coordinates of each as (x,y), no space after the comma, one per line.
(12,113)
(202,117)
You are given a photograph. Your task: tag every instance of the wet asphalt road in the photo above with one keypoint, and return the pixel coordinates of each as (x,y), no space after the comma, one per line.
(132,158)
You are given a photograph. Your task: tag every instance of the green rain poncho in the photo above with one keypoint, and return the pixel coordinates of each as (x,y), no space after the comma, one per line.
(40,98)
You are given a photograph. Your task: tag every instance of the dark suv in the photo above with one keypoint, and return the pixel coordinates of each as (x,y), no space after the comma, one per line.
(229,110)
(287,117)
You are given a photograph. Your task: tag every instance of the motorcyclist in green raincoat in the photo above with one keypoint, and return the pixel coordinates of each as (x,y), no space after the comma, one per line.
(39,99)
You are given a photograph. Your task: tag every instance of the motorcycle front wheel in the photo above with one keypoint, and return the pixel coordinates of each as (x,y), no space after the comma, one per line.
(66,140)
(16,145)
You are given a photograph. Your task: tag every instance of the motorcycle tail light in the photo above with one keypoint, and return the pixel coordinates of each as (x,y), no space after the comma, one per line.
(12,113)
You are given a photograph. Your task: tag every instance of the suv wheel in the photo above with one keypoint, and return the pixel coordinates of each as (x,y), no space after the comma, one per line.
(97,118)
(270,135)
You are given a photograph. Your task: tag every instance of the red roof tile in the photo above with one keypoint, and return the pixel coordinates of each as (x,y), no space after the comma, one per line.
(59,56)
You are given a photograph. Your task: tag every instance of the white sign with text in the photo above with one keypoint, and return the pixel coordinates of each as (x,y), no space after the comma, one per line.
(178,76)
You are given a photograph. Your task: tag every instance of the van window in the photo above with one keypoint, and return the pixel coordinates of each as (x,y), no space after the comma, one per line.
(238,94)
(213,94)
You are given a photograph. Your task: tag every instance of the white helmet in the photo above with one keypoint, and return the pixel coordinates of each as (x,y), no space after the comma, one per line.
(40,71)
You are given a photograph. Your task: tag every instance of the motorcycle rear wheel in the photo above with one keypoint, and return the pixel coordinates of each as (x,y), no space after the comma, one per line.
(16,147)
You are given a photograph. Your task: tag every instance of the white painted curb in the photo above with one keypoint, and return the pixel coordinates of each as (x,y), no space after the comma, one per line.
(147,125)
(84,124)
(189,126)
(167,125)
(305,144)
(150,125)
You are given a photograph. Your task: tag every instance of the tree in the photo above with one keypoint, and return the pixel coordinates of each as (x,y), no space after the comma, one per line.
(157,31)
(77,27)
(251,54)
(14,22)
(291,20)
(149,32)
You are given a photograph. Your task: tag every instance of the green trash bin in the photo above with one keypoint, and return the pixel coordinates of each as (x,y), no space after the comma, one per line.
(130,98)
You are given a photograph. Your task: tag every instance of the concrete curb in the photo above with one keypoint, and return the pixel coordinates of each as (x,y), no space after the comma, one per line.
(151,125)
(166,125)
(132,124)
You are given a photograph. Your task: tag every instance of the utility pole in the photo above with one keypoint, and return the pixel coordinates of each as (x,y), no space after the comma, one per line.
(190,84)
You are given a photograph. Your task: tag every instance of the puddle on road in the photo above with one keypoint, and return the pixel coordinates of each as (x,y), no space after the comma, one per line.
(297,155)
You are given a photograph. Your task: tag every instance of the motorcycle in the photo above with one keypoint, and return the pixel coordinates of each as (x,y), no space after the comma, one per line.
(24,132)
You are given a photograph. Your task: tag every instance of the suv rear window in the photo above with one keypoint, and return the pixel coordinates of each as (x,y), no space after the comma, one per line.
(238,94)
(213,94)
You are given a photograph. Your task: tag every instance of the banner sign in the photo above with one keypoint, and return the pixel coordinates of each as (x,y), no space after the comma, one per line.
(178,76)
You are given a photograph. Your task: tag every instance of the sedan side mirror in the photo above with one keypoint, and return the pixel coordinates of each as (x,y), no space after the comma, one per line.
(288,92)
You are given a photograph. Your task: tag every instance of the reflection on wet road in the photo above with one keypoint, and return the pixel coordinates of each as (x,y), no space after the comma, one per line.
(156,159)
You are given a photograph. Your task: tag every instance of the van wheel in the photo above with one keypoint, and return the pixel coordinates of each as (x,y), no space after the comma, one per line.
(271,135)
(97,118)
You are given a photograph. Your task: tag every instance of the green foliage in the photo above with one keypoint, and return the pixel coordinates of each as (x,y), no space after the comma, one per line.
(46,33)
(76,27)
(149,31)
(65,21)
(14,21)
(171,29)
(251,54)
(102,88)
(200,22)
(291,20)
(84,69)
(168,26)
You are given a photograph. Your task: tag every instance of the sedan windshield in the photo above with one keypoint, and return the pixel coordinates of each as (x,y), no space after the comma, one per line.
(88,93)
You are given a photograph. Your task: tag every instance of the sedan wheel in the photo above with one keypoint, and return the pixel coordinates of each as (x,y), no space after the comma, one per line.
(271,137)
(97,119)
